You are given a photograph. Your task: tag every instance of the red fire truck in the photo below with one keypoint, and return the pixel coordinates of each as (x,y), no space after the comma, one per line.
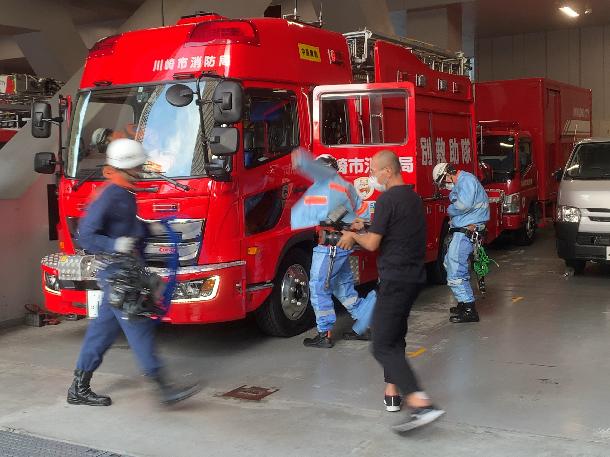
(256,89)
(527,130)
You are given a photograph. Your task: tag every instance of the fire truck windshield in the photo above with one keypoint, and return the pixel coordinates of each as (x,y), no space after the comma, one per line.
(170,135)
(499,153)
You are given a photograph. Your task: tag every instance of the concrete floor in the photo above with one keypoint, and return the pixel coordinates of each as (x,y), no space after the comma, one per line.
(530,380)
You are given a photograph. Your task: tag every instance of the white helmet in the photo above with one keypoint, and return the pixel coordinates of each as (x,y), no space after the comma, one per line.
(125,154)
(440,171)
(100,135)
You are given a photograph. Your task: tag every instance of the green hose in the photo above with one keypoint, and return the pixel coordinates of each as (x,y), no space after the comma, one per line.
(481,262)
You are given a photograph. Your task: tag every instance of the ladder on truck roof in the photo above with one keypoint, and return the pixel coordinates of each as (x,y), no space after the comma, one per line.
(362,43)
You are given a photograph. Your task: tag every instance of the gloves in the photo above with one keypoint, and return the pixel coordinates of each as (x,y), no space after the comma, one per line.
(156,228)
(124,244)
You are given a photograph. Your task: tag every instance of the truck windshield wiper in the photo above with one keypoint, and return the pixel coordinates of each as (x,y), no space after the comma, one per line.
(179,185)
(86,178)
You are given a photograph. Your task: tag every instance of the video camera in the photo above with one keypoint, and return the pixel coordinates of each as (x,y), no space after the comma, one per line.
(329,230)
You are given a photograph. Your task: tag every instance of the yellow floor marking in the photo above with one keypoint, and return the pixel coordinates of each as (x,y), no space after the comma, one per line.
(516,299)
(417,353)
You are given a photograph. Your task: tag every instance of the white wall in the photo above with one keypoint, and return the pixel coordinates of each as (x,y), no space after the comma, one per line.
(577,56)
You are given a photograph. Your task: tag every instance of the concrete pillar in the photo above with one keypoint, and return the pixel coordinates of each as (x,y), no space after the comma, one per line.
(440,26)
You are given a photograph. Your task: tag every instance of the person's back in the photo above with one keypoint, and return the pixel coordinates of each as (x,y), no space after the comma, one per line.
(403,246)
(469,201)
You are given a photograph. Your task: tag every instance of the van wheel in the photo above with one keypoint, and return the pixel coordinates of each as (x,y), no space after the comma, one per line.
(288,311)
(526,234)
(436,270)
(577,265)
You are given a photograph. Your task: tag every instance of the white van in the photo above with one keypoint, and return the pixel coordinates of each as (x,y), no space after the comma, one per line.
(582,223)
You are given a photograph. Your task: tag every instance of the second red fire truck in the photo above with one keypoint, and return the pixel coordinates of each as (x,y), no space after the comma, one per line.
(219,104)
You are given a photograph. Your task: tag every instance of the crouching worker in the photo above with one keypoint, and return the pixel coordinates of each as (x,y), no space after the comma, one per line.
(469,211)
(331,273)
(110,227)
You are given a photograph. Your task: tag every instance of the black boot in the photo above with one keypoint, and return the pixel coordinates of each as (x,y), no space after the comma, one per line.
(352,335)
(457,309)
(469,314)
(169,393)
(80,392)
(321,340)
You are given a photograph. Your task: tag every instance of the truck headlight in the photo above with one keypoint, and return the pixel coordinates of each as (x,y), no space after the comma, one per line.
(197,290)
(511,204)
(568,214)
(51,283)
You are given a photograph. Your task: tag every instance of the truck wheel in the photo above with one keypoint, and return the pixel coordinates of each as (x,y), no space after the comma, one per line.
(577,265)
(288,311)
(436,270)
(526,234)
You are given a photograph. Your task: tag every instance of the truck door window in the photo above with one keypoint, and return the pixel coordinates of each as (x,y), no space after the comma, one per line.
(376,117)
(271,127)
(498,151)
(525,154)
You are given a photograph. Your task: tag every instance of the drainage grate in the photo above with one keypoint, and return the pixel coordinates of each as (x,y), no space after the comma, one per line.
(253,393)
(20,445)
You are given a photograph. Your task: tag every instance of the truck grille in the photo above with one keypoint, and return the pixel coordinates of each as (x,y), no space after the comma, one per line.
(593,239)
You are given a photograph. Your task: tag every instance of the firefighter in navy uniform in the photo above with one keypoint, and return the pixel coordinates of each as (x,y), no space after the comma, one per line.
(331,273)
(110,226)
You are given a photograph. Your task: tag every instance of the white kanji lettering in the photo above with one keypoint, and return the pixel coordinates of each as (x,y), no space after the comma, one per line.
(406,164)
(466,154)
(440,150)
(224,60)
(425,144)
(196,62)
(454,151)
(209,61)
(158,65)
(356,166)
(367,164)
(342,163)
(182,63)
(169,64)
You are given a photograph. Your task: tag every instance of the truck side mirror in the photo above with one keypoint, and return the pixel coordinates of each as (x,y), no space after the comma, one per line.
(224,141)
(486,172)
(41,120)
(45,163)
(558,174)
(228,102)
(179,95)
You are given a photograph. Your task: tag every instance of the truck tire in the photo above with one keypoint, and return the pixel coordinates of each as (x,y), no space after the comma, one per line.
(526,234)
(436,270)
(288,311)
(577,265)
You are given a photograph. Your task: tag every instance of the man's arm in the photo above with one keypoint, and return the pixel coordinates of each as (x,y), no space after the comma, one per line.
(303,163)
(462,198)
(369,240)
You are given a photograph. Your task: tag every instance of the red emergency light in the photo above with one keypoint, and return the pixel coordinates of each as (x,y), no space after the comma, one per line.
(223,32)
(104,47)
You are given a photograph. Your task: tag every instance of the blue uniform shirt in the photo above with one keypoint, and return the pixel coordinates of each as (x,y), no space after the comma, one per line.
(327,192)
(108,217)
(469,202)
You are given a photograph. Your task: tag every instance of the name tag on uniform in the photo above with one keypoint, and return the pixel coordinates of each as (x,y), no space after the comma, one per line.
(94,300)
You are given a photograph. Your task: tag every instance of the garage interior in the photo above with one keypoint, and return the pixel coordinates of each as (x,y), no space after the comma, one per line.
(529,380)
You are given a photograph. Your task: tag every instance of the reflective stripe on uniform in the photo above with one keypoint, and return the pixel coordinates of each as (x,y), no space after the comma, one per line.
(362,209)
(340,188)
(315,200)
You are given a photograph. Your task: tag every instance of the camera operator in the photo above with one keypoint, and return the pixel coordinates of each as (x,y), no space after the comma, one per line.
(399,232)
(111,227)
(469,211)
(331,273)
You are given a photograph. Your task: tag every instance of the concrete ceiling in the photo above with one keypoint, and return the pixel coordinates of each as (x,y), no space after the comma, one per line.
(510,17)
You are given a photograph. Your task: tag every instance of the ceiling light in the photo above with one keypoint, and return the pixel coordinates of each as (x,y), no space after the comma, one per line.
(569,11)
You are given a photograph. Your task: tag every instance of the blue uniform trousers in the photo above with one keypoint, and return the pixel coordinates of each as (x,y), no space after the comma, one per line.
(458,267)
(342,287)
(103,331)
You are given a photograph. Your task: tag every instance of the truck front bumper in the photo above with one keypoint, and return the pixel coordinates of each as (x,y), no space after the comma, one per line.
(226,301)
(575,245)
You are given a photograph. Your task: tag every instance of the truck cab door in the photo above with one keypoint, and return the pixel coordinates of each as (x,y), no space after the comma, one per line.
(352,123)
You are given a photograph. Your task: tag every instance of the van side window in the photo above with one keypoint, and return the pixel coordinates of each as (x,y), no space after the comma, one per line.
(525,154)
(271,127)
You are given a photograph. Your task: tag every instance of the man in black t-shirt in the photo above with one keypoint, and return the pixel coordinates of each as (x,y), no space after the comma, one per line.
(399,232)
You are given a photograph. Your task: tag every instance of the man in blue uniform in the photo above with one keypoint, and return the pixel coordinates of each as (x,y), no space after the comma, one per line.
(469,211)
(110,226)
(328,192)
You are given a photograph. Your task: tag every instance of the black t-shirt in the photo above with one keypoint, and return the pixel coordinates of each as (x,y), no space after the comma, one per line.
(400,219)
